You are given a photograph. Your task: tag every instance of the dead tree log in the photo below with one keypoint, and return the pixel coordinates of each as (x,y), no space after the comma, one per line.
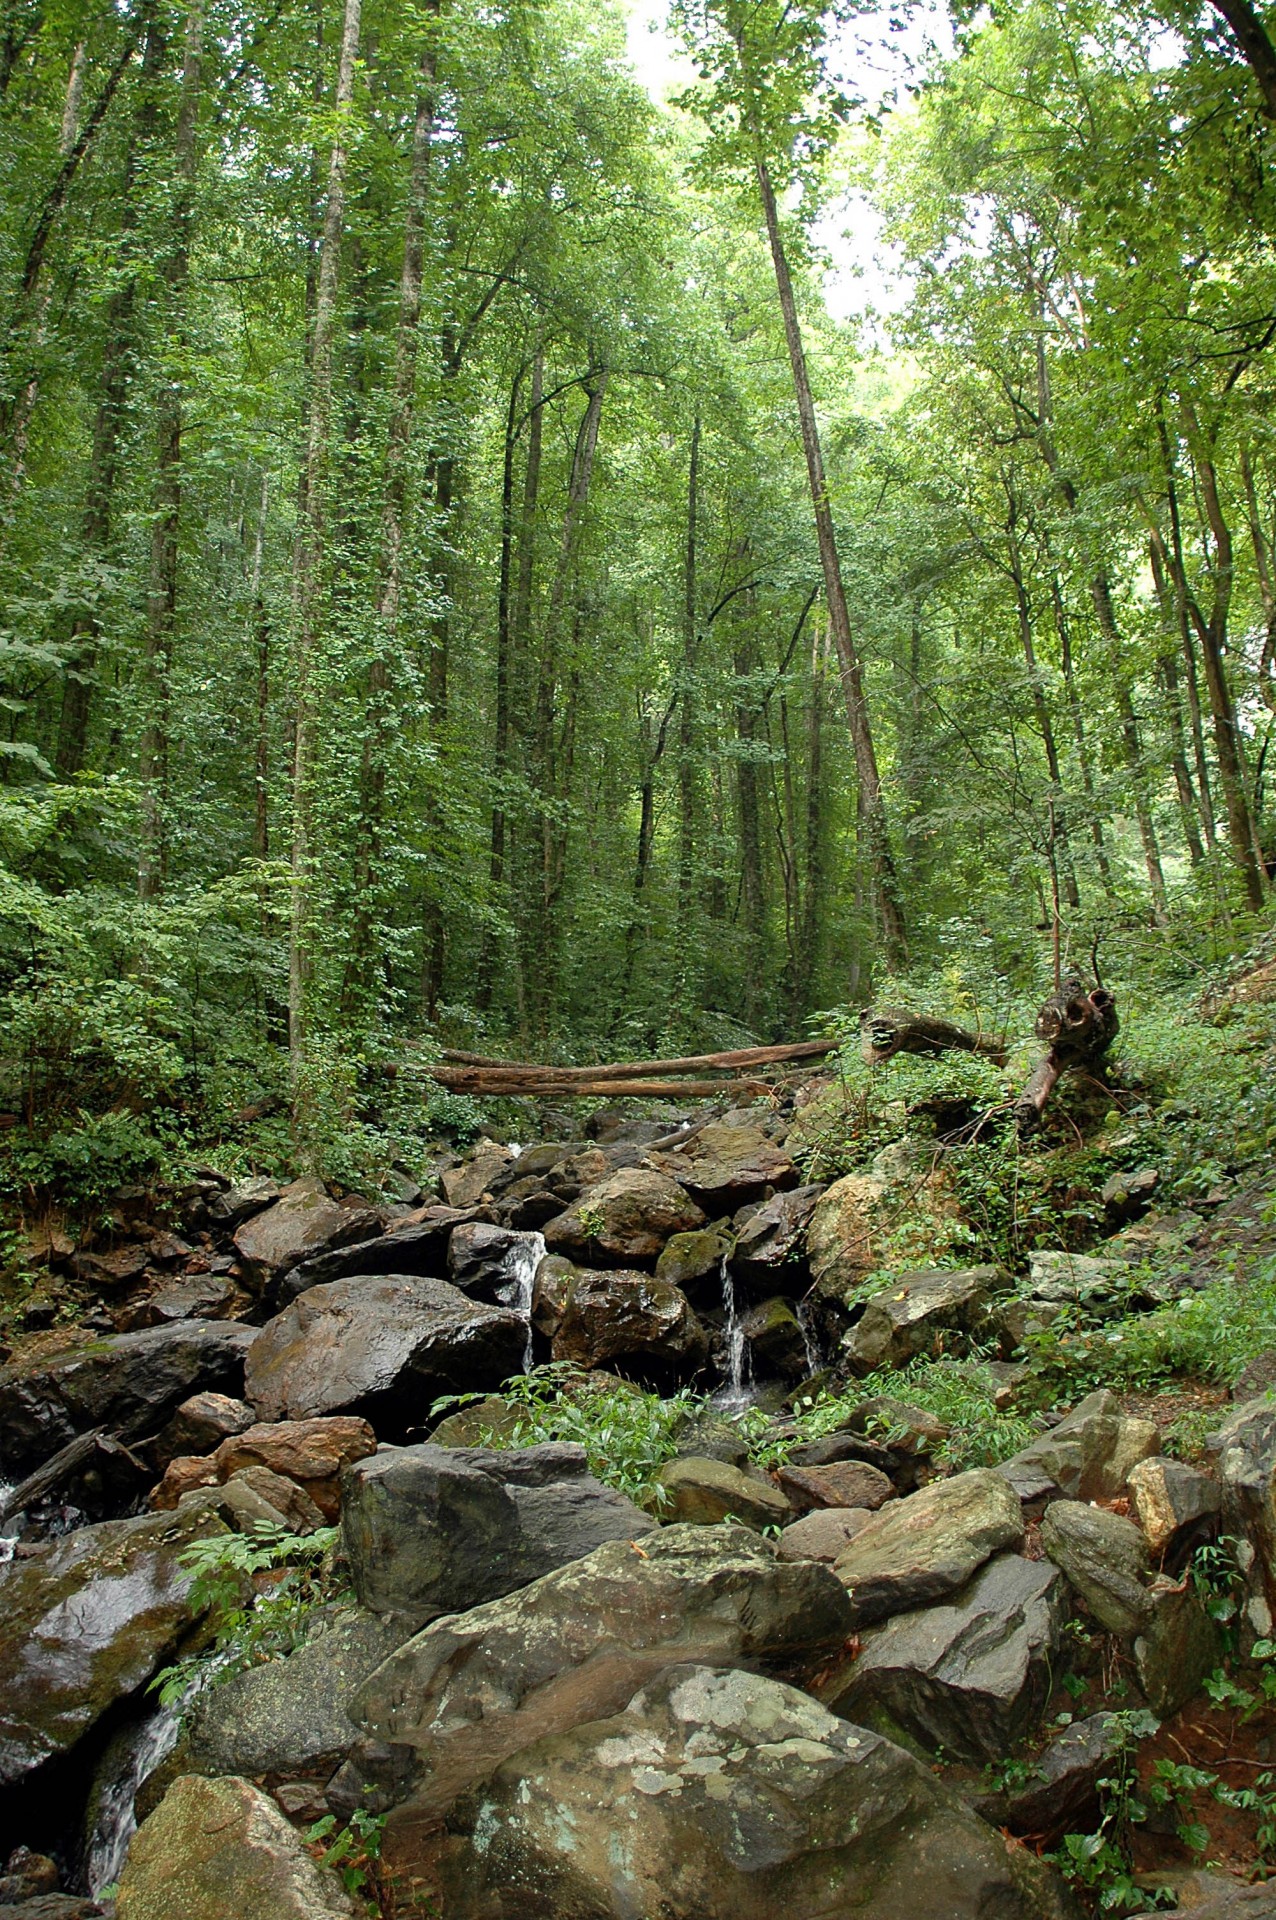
(51,1473)
(1078,1027)
(885,1031)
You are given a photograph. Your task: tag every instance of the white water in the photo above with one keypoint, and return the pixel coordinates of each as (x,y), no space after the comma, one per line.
(735,1394)
(814,1358)
(521,1263)
(10,1528)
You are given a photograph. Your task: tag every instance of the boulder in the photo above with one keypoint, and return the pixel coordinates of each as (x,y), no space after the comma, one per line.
(553,1281)
(703,1434)
(624,1218)
(690,1256)
(200,1424)
(633,1319)
(384,1346)
(1088,1456)
(716,1794)
(775,1341)
(1179,1647)
(726,1163)
(1217,1896)
(1245,1449)
(288,1717)
(1061,1794)
(770,1250)
(27,1876)
(221,1850)
(302,1221)
(87,1622)
(258,1497)
(242,1200)
(1173,1503)
(470,1183)
(932,1312)
(1075,1279)
(56,1906)
(196,1296)
(416,1245)
(430,1530)
(823,1534)
(906,1430)
(841,1235)
(310,1452)
(129,1382)
(575,1645)
(484,1261)
(704,1492)
(480,1422)
(971,1676)
(1127,1195)
(925,1547)
(1105,1558)
(844,1483)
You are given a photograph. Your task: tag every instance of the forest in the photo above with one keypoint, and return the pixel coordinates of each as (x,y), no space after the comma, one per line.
(460,585)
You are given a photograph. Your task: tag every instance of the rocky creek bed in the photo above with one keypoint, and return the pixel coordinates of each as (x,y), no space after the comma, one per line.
(431,1653)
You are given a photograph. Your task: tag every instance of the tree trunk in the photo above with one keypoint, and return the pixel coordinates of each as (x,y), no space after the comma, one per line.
(310,547)
(872,808)
(1167,671)
(261,634)
(161,606)
(688,809)
(501,718)
(1040,707)
(1064,632)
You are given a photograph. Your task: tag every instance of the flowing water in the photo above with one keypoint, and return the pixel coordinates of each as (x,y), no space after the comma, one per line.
(10,1528)
(814,1358)
(735,1394)
(521,1263)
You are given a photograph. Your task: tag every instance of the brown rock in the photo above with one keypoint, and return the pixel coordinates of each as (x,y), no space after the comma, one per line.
(626,1217)
(704,1493)
(284,1499)
(846,1483)
(309,1452)
(1170,1500)
(823,1534)
(200,1424)
(630,1317)
(464,1186)
(183,1475)
(302,1221)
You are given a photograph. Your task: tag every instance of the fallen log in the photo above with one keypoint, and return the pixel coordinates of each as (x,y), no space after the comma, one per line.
(644,1069)
(1078,1027)
(51,1473)
(477,1081)
(886,1031)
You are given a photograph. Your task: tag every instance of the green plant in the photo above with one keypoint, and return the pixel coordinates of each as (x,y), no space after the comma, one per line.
(355,1850)
(260,1593)
(1099,1861)
(627,1434)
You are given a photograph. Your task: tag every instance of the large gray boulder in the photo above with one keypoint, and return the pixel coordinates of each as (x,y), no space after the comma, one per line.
(631,1320)
(1245,1448)
(1061,1792)
(931,1312)
(574,1646)
(384,1345)
(430,1530)
(623,1219)
(86,1623)
(1088,1456)
(221,1850)
(921,1549)
(130,1383)
(418,1244)
(728,1162)
(289,1717)
(703,1492)
(1106,1559)
(971,1676)
(770,1251)
(302,1222)
(716,1795)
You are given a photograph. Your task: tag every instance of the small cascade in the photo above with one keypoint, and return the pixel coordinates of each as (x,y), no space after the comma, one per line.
(735,1393)
(814,1358)
(521,1263)
(10,1528)
(151,1741)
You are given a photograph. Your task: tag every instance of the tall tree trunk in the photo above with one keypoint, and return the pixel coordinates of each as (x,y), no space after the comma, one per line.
(261,636)
(872,809)
(811,917)
(1178,576)
(1167,672)
(310,548)
(688,809)
(161,605)
(501,716)
(1063,630)
(394,504)
(1061,848)
(1265,568)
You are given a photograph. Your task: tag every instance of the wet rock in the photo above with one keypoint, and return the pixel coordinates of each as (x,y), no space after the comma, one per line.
(823,1534)
(726,1163)
(903,1428)
(1088,1456)
(633,1319)
(1216,1896)
(771,1247)
(26,1876)
(690,1256)
(703,1435)
(130,1382)
(86,1622)
(774,1337)
(704,1492)
(222,1850)
(1105,1558)
(840,1235)
(417,1245)
(716,1792)
(574,1646)
(931,1312)
(551,1285)
(310,1453)
(289,1717)
(923,1548)
(844,1483)
(1061,1794)
(113,1270)
(282,1502)
(1170,1501)
(480,1258)
(624,1218)
(200,1296)
(1178,1649)
(200,1424)
(467,1185)
(55,1906)
(971,1676)
(430,1530)
(232,1205)
(302,1221)
(384,1346)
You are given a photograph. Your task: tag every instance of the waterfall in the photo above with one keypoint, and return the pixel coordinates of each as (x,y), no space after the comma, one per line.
(735,1332)
(149,1743)
(521,1262)
(10,1528)
(814,1358)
